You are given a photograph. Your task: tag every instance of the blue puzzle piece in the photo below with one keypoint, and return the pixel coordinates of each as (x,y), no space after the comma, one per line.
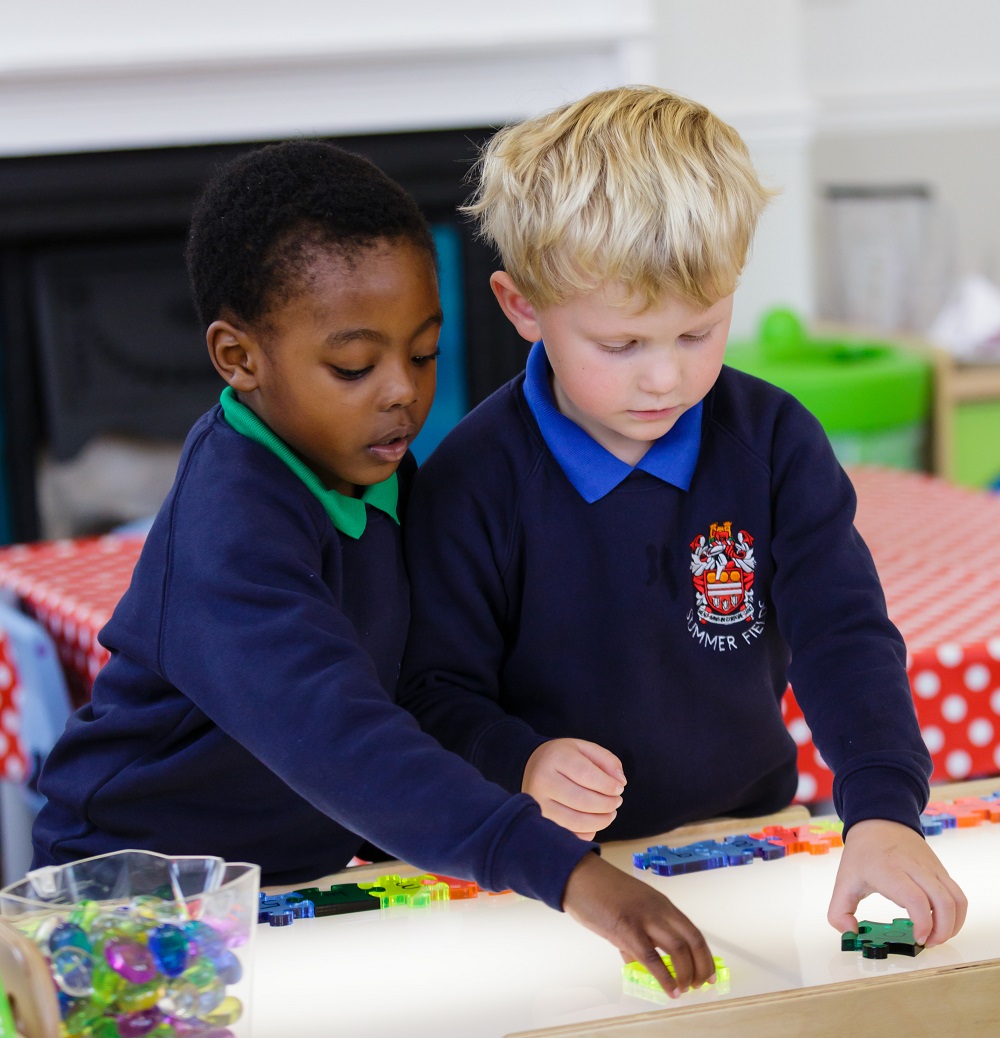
(763,849)
(732,852)
(937,823)
(673,861)
(283,909)
(934,825)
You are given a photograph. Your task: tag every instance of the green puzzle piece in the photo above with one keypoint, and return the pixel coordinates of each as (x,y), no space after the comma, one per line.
(877,940)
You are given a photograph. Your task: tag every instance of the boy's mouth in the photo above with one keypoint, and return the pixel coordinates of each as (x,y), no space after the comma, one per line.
(654,416)
(391,448)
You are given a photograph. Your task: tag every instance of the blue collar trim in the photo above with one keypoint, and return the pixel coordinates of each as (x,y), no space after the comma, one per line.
(592,469)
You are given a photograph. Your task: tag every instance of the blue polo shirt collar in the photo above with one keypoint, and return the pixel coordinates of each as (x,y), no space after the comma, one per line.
(592,469)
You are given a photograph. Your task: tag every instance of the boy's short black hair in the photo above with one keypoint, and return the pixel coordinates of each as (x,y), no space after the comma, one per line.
(261,218)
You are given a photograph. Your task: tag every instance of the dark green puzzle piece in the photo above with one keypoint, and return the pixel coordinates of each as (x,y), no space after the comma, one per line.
(877,940)
(340,899)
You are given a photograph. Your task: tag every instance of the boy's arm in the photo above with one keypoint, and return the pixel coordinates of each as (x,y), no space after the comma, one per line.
(458,539)
(459,546)
(847,658)
(848,671)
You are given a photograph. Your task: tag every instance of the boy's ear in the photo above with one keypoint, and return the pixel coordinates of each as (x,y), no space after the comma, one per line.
(519,311)
(234,354)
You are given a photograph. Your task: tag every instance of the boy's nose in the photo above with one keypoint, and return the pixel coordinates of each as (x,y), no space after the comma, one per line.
(659,376)
(401,388)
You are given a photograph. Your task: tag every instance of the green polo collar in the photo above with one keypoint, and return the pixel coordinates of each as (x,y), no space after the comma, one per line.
(346,513)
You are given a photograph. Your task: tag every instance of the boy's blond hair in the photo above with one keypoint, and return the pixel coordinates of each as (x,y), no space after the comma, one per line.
(635,185)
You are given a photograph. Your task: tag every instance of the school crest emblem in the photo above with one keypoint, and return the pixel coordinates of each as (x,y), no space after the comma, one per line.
(722,568)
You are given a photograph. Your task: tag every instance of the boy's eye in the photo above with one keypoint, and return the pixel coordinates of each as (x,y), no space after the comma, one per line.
(617,347)
(697,338)
(351,374)
(426,358)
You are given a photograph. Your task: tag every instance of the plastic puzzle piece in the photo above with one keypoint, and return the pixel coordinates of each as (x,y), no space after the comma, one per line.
(733,853)
(340,899)
(411,892)
(877,940)
(814,839)
(639,982)
(934,825)
(283,909)
(674,861)
(987,808)
(763,849)
(966,814)
(458,889)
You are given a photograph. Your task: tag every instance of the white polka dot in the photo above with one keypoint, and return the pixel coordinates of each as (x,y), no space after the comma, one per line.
(926,684)
(6,676)
(799,731)
(993,648)
(958,764)
(933,737)
(807,789)
(995,701)
(949,654)
(977,677)
(820,762)
(10,721)
(954,709)
(14,770)
(4,743)
(84,638)
(980,732)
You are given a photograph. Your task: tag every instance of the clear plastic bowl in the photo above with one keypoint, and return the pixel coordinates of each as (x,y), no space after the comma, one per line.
(137,943)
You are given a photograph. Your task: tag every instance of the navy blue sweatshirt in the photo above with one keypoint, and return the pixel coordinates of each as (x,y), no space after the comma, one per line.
(246,708)
(660,616)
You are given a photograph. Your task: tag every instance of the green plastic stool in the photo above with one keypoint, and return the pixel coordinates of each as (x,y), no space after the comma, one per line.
(871,397)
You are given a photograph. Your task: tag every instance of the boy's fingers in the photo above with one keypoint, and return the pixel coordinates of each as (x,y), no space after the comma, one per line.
(949,906)
(654,963)
(689,953)
(577,821)
(604,759)
(582,771)
(582,798)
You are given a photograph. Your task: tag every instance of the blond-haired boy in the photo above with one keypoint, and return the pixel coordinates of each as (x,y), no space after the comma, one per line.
(621,557)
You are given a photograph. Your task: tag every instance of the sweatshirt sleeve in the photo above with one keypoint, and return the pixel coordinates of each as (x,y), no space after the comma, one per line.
(848,666)
(459,537)
(253,636)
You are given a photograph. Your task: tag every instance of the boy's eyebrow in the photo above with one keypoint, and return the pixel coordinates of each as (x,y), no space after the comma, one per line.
(349,335)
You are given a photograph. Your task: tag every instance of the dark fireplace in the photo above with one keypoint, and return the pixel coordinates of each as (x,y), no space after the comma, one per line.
(97,333)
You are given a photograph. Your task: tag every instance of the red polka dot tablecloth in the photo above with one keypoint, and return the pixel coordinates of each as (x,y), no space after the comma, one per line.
(71,587)
(930,541)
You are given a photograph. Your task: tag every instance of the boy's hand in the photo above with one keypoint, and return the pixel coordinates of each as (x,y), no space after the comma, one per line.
(890,859)
(640,922)
(577,784)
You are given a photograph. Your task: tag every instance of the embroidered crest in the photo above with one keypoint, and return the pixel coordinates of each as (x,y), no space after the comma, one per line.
(722,571)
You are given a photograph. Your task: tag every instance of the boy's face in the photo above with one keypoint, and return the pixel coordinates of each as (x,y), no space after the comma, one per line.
(347,373)
(622,371)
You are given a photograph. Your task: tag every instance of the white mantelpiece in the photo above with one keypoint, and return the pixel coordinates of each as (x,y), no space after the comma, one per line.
(114,74)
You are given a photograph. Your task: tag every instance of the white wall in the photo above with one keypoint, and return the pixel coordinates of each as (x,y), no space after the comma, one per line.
(821,89)
(744,61)
(115,73)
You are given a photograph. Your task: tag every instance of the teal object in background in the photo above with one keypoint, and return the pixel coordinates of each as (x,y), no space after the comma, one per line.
(452,399)
(871,397)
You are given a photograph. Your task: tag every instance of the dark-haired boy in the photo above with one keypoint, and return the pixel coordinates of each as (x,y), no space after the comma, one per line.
(246,709)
